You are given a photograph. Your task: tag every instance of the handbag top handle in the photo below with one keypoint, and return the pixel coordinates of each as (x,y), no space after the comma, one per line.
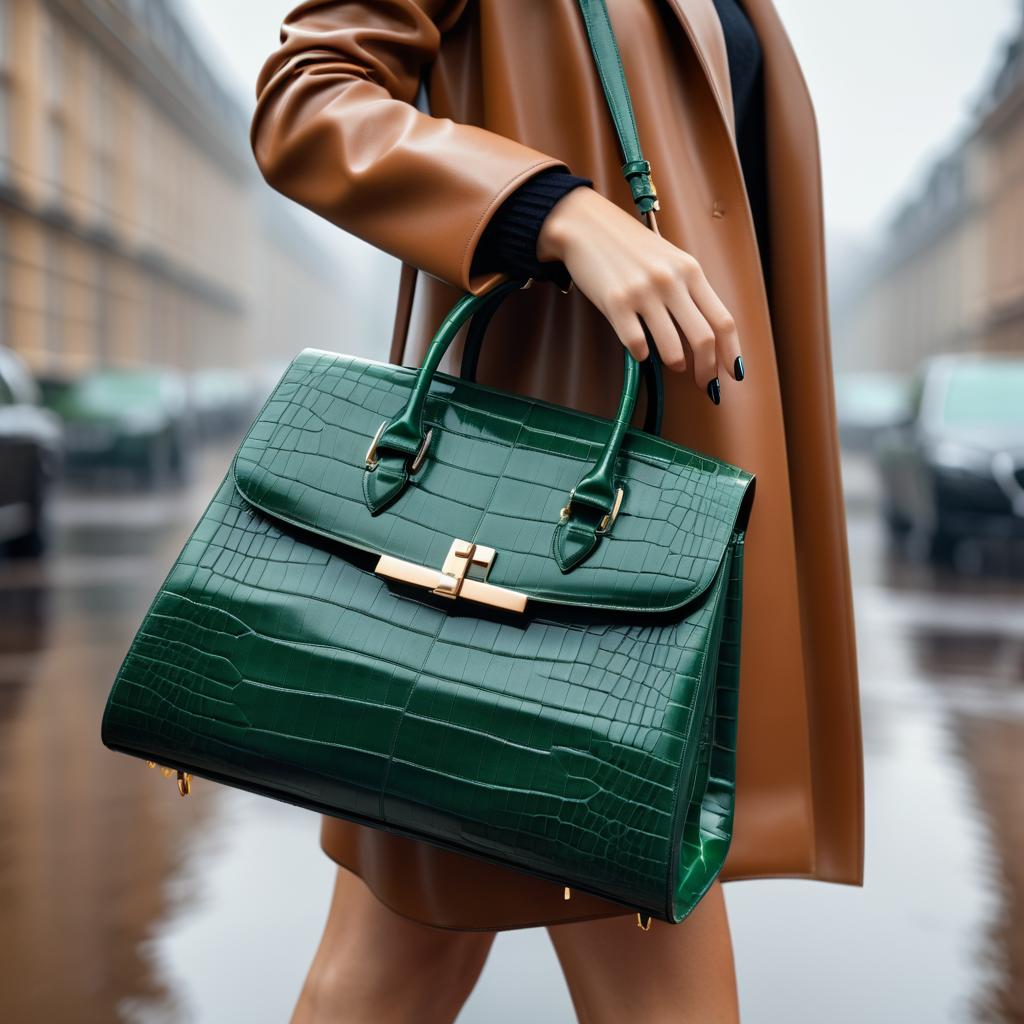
(405,436)
(401,445)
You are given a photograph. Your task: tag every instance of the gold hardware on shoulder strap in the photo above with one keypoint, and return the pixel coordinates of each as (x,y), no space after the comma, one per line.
(643,922)
(453,579)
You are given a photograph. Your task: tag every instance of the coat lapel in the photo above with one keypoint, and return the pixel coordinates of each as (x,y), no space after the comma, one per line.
(699,20)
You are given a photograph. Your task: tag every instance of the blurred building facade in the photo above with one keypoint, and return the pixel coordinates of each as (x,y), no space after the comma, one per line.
(949,276)
(134,226)
(1001,137)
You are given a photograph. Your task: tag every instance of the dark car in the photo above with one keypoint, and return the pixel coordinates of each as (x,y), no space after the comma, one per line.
(133,422)
(955,469)
(223,402)
(30,445)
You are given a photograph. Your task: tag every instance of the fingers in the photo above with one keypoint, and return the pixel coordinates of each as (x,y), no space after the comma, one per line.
(630,331)
(726,336)
(699,337)
(684,319)
(666,337)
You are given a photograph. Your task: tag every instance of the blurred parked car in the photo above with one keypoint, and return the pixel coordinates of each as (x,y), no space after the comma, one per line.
(127,421)
(955,469)
(30,446)
(867,404)
(223,401)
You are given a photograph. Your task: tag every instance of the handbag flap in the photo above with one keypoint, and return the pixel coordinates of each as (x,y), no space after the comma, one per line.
(498,471)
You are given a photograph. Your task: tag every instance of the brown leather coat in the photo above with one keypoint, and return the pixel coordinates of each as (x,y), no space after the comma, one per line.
(511,90)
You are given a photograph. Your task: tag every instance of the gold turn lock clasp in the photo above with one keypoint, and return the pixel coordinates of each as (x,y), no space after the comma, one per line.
(453,579)
(461,557)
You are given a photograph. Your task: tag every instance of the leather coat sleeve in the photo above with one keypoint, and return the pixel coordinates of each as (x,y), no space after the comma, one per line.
(336,129)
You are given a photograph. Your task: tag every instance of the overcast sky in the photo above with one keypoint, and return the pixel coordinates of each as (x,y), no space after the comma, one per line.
(893,81)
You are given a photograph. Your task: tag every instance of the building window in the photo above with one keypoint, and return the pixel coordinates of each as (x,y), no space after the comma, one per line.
(53,65)
(53,290)
(101,291)
(5,90)
(153,342)
(55,152)
(101,138)
(145,142)
(5,272)
(54,78)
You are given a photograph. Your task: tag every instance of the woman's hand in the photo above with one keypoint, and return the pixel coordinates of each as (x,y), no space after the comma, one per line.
(630,273)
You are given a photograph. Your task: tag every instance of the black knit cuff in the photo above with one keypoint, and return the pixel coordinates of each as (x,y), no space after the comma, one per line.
(509,242)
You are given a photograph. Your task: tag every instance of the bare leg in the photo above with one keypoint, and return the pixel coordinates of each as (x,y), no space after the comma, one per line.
(375,967)
(672,973)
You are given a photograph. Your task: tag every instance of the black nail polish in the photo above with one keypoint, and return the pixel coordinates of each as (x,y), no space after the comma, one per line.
(715,391)
(738,371)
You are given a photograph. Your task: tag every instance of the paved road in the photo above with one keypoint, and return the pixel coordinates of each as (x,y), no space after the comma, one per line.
(120,901)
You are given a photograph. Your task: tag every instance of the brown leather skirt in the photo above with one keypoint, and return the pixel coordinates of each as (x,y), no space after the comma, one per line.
(452,890)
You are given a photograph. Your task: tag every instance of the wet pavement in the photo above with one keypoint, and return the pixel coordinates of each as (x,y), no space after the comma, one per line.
(120,901)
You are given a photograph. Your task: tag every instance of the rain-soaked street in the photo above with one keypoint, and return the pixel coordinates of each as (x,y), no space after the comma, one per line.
(119,901)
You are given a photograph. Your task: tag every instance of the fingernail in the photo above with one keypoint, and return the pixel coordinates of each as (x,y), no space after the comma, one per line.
(715,391)
(738,372)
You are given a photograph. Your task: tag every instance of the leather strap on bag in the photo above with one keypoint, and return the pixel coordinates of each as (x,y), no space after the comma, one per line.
(605,48)
(635,168)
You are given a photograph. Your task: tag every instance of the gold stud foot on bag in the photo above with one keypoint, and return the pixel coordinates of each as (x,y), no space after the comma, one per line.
(643,922)
(184,778)
(567,894)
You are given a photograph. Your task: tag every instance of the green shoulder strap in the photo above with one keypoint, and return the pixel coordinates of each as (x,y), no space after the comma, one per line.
(605,49)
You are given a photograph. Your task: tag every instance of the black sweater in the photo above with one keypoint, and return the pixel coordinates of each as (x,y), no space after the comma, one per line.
(509,242)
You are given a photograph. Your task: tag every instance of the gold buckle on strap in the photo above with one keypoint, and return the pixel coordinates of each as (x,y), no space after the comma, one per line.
(417,460)
(606,520)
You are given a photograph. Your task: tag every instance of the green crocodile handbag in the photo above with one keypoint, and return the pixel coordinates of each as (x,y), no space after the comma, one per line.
(491,623)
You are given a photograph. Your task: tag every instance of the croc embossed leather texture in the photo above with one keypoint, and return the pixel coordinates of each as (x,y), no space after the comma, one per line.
(469,617)
(588,738)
